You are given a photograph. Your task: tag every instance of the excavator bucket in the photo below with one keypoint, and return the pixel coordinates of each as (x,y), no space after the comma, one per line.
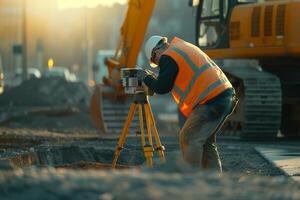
(96,109)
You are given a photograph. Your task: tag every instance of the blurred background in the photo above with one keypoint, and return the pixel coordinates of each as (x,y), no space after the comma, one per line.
(75,35)
(70,39)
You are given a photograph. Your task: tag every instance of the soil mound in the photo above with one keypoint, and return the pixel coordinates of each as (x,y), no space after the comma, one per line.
(47,92)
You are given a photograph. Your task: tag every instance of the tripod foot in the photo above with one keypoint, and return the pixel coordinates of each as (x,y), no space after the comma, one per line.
(148,152)
(161,151)
(116,157)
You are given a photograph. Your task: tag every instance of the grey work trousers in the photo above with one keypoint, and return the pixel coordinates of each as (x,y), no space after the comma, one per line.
(198,134)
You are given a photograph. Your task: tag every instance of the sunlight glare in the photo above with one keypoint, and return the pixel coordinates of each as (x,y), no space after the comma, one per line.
(63,4)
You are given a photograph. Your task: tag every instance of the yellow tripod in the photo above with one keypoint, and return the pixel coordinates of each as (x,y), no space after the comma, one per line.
(141,101)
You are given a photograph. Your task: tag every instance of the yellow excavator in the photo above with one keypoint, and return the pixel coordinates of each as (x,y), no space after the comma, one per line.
(109,104)
(268,32)
(236,32)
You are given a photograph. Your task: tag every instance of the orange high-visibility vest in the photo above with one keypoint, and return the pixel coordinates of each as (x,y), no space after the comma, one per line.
(199,79)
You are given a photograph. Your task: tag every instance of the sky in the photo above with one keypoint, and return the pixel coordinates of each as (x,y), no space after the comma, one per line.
(63,4)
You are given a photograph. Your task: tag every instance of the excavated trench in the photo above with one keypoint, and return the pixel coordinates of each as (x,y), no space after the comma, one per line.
(97,153)
(87,155)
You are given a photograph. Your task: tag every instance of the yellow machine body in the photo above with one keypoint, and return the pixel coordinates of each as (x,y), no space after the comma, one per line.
(260,30)
(269,32)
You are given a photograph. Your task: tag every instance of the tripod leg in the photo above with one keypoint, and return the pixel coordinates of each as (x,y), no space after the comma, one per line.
(124,134)
(148,149)
(148,120)
(148,152)
(159,147)
(141,124)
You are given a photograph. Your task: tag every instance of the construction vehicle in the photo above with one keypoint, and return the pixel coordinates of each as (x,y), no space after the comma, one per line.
(109,105)
(268,32)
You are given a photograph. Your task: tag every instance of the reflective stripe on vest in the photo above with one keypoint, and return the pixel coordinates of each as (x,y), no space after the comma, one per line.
(197,73)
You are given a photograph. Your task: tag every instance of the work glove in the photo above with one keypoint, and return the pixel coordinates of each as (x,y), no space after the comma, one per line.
(141,74)
(151,73)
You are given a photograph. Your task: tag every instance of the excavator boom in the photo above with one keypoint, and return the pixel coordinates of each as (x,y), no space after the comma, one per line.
(132,34)
(109,105)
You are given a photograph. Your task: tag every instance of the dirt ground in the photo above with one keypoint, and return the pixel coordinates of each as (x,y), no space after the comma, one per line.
(56,153)
(70,166)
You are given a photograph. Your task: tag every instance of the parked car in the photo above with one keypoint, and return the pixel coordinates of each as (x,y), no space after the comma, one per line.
(34,73)
(18,76)
(62,72)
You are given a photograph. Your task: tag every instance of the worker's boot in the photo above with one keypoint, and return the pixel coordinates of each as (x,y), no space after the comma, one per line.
(211,159)
(203,155)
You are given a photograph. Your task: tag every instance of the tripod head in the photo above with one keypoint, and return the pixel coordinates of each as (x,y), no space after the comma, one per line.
(132,83)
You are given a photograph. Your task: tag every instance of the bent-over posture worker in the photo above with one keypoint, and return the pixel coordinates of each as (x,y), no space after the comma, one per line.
(204,95)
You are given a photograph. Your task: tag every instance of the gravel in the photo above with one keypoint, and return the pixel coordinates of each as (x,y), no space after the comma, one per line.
(50,183)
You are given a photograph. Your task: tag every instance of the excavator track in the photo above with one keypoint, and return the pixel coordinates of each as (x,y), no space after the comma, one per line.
(109,113)
(258,114)
(115,114)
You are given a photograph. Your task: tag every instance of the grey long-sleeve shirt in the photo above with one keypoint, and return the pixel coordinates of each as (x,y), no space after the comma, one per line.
(167,74)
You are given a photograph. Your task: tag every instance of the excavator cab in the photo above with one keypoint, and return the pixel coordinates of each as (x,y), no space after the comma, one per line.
(213,16)
(211,28)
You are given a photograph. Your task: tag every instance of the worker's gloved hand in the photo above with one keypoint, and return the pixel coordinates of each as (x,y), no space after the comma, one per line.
(141,74)
(151,73)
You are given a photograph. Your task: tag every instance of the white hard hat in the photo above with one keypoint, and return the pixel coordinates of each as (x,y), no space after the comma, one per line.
(149,46)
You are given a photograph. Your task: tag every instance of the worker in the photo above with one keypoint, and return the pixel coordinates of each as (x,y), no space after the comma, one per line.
(204,96)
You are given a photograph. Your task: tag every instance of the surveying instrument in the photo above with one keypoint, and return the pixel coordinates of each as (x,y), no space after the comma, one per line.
(134,86)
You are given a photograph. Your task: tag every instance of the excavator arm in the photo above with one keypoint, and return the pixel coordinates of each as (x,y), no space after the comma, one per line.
(131,37)
(108,96)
